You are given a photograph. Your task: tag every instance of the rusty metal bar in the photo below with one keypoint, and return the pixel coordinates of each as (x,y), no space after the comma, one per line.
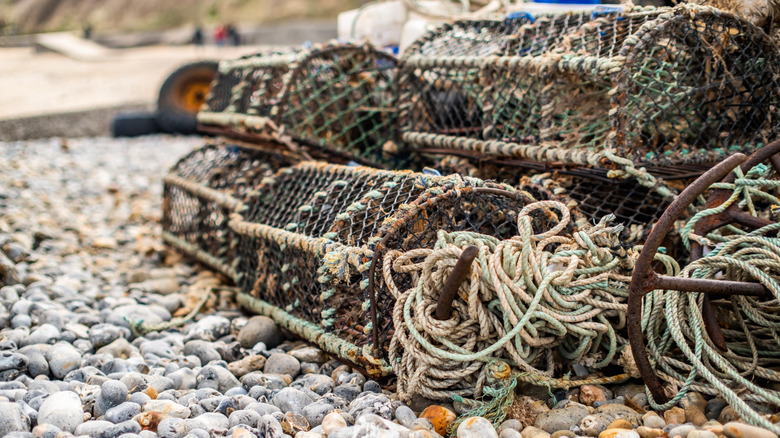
(716,288)
(459,273)
(643,280)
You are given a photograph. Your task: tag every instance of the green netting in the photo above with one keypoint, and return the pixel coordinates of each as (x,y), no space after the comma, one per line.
(334,101)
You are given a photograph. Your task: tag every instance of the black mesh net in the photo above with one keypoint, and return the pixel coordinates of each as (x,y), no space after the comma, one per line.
(590,193)
(201,192)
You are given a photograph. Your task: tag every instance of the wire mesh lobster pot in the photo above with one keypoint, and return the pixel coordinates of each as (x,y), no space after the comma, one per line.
(313,234)
(203,189)
(336,101)
(589,192)
(681,86)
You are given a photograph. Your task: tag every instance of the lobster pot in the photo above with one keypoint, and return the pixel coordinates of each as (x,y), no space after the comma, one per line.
(589,193)
(312,235)
(635,206)
(336,101)
(659,87)
(202,190)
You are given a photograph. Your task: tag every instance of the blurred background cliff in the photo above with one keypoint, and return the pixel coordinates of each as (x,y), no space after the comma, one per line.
(108,16)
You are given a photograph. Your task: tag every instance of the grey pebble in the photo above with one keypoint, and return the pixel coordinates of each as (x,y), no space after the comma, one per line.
(62,358)
(260,329)
(592,425)
(347,391)
(138,398)
(509,433)
(378,404)
(36,362)
(269,427)
(681,430)
(123,412)
(509,424)
(269,381)
(183,379)
(209,328)
(136,312)
(315,382)
(117,430)
(263,408)
(245,417)
(112,393)
(104,334)
(405,415)
(12,361)
(202,350)
(44,334)
(216,377)
(211,421)
(12,418)
(172,427)
(281,363)
(21,321)
(198,433)
(616,411)
(291,400)
(92,428)
(157,349)
(344,432)
(309,354)
(62,409)
(561,419)
(315,412)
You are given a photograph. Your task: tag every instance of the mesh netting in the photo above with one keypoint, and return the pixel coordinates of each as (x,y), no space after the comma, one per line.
(590,194)
(659,87)
(201,192)
(334,100)
(311,233)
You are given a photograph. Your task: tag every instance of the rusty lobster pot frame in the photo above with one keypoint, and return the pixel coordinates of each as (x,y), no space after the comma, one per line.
(332,102)
(646,280)
(313,234)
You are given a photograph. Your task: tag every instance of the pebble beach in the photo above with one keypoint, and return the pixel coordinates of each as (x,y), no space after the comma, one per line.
(82,263)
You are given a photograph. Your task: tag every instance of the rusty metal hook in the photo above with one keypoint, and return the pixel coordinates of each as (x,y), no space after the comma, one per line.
(458,275)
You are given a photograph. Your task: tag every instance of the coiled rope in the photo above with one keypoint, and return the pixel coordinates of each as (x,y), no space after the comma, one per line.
(673,324)
(526,300)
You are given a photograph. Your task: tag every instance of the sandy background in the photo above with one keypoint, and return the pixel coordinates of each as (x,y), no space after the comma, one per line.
(48,83)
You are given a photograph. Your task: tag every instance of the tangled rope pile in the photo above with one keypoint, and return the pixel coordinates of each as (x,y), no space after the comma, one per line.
(527,299)
(684,354)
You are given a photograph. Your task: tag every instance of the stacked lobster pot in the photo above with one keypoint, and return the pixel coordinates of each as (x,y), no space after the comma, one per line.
(661,87)
(643,94)
(271,110)
(331,102)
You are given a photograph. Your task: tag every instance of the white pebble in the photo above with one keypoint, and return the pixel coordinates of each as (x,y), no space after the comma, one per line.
(476,427)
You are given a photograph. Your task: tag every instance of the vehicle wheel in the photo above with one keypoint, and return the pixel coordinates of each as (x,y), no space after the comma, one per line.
(134,124)
(182,94)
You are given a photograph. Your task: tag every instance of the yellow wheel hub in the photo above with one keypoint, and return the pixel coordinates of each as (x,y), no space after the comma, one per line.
(194,95)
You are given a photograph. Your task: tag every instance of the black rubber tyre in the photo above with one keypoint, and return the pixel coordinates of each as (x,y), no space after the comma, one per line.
(134,125)
(182,94)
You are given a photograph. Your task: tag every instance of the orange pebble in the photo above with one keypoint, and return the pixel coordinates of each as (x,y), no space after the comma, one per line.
(440,416)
